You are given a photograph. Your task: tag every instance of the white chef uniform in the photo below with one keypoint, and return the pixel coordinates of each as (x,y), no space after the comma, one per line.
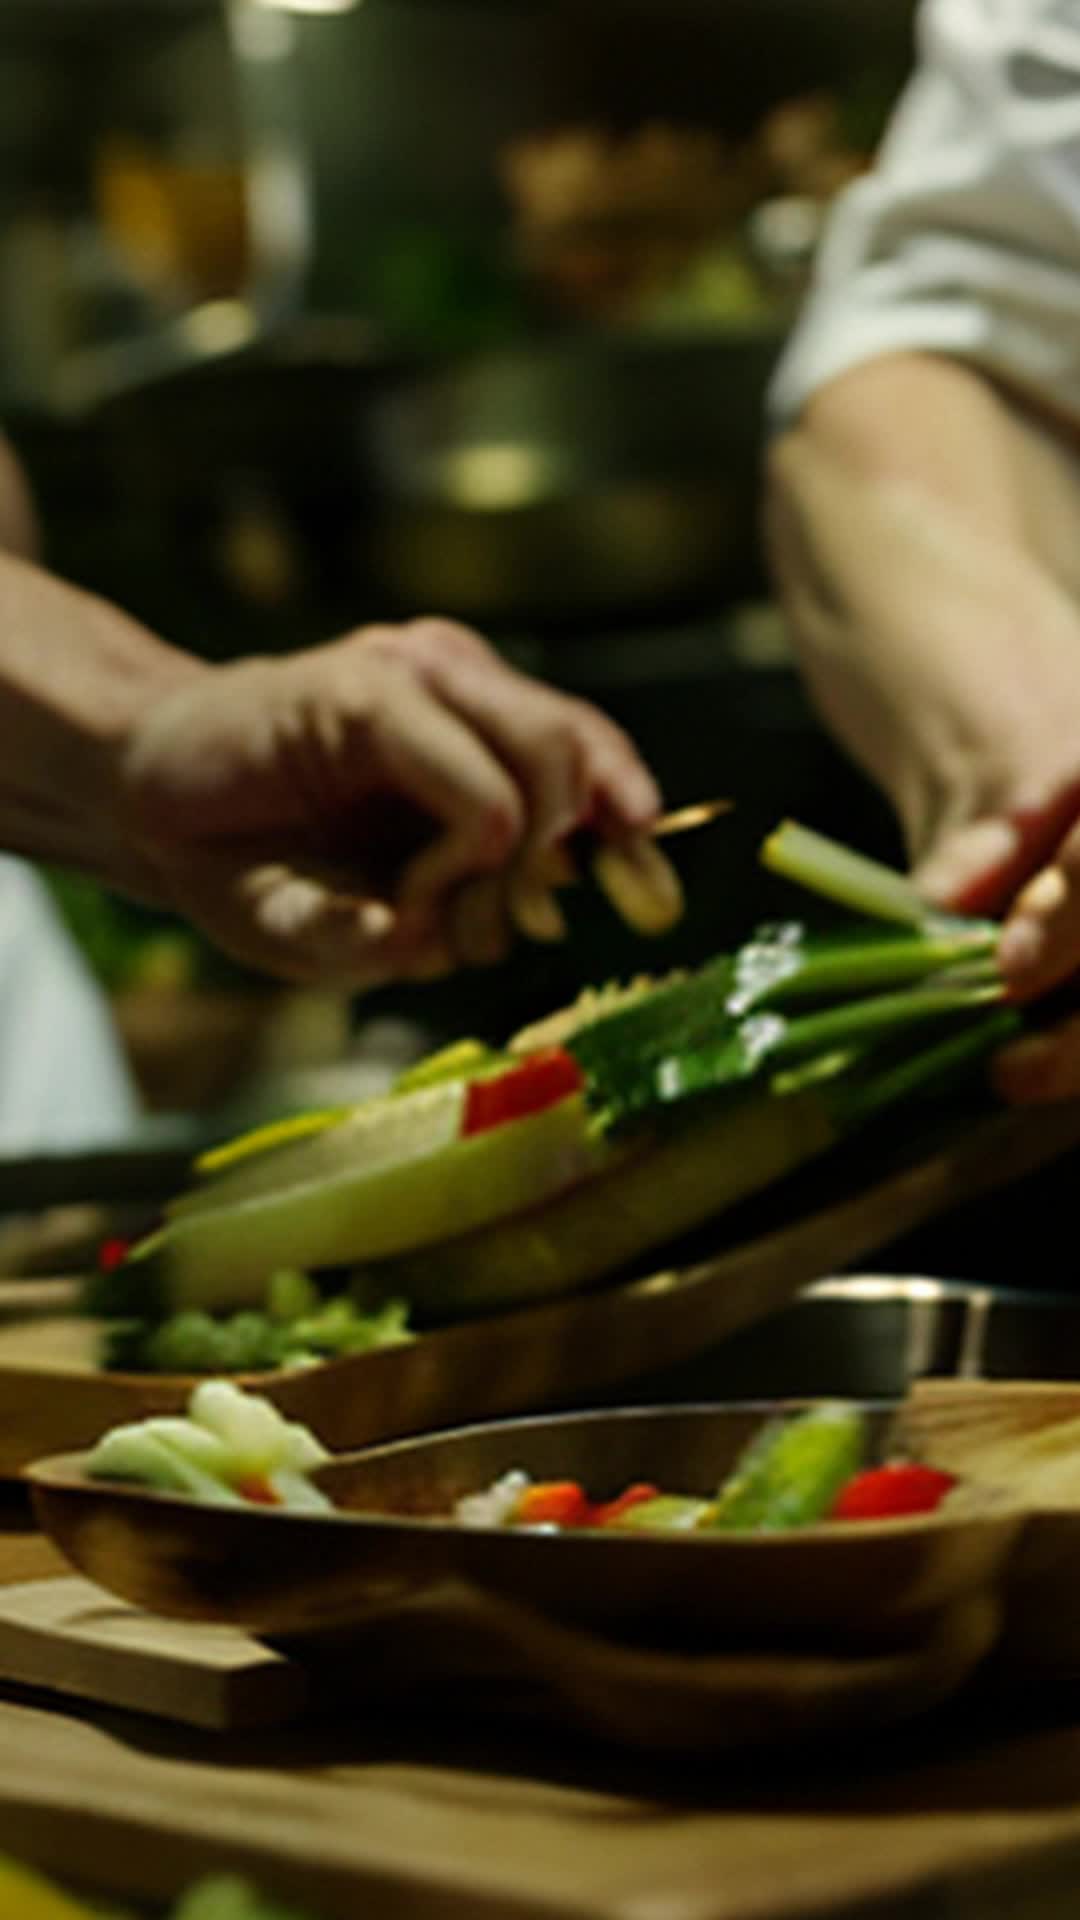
(64,1082)
(965,238)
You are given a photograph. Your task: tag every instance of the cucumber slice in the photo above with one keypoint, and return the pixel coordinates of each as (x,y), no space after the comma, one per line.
(386,1128)
(276,1133)
(792,1471)
(221,1258)
(654,1190)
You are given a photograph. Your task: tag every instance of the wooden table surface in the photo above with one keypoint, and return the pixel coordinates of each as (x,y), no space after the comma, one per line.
(967,1818)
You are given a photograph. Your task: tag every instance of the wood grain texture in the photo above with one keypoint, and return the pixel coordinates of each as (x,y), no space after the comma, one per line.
(394,1540)
(986,1427)
(456,1656)
(705,1642)
(70,1637)
(425,1820)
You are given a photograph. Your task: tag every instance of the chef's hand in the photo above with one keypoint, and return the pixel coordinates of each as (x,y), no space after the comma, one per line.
(350,814)
(1025,866)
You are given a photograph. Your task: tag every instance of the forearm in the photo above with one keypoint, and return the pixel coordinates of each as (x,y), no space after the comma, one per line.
(75,674)
(18,520)
(932,630)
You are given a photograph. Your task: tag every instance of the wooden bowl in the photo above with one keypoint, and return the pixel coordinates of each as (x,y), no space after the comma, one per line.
(977,1427)
(882,1590)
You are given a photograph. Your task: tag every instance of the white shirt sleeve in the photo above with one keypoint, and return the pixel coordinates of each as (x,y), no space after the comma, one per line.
(964,239)
(64,1082)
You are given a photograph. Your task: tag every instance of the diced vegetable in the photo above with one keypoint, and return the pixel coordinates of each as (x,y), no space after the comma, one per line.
(460,1061)
(791,1471)
(533,1084)
(255,1341)
(493,1506)
(884,1493)
(226,1897)
(851,879)
(221,1258)
(559,1503)
(796,1470)
(613,1513)
(655,1189)
(230,1448)
(477,1183)
(664,1513)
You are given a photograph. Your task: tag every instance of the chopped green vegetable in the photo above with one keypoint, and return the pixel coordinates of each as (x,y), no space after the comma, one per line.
(838,873)
(698,1091)
(728,1025)
(219,1259)
(792,1470)
(664,1513)
(297,1328)
(463,1060)
(230,1449)
(226,1897)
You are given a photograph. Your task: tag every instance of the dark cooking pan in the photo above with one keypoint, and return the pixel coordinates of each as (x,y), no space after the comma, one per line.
(571,481)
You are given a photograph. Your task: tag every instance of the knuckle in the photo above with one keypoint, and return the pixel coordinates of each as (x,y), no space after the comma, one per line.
(497,828)
(434,641)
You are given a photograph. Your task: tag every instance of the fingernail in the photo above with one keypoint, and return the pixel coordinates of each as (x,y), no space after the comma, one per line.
(375,919)
(289,909)
(1045,894)
(1021,946)
(643,797)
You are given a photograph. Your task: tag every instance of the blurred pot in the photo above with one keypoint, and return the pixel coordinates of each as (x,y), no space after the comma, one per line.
(581,480)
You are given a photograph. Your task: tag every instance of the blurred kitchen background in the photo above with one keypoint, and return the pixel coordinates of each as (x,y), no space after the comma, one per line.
(311,314)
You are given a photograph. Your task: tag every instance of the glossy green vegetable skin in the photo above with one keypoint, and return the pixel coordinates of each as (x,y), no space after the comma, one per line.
(662,1186)
(781,999)
(219,1258)
(791,1472)
(700,1093)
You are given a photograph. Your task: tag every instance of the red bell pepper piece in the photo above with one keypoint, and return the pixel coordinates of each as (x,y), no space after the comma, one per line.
(884,1493)
(607,1512)
(112,1253)
(552,1503)
(538,1081)
(256,1488)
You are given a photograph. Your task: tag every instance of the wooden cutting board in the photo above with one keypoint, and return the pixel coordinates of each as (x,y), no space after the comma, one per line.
(68,1637)
(570,1351)
(439,1822)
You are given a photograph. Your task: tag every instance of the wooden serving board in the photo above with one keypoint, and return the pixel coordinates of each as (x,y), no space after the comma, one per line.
(569,1352)
(69,1637)
(428,1822)
(452,1654)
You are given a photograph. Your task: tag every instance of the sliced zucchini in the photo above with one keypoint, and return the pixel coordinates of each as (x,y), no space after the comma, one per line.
(385,1128)
(220,1258)
(656,1189)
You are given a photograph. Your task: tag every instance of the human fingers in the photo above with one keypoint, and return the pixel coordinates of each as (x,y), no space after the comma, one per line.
(974,868)
(570,759)
(1040,945)
(978,865)
(421,749)
(302,924)
(640,882)
(1040,1066)
(477,925)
